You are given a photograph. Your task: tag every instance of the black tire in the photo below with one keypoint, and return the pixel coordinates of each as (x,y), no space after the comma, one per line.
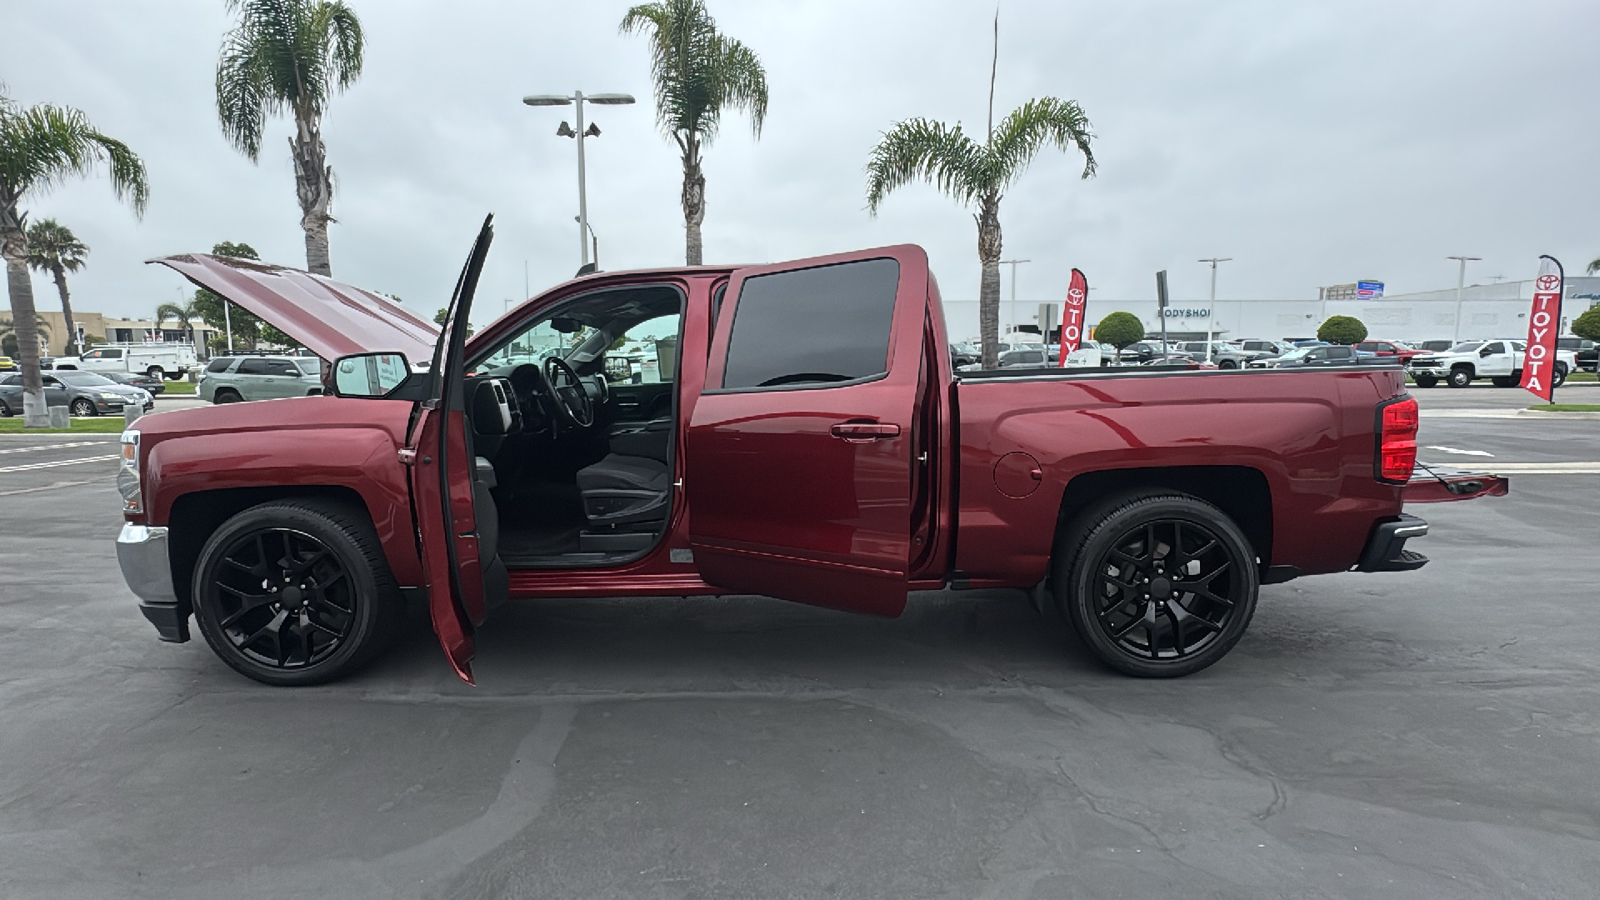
(5,411)
(155,372)
(1503,381)
(1460,377)
(1227,364)
(1426,381)
(303,634)
(1560,377)
(83,406)
(1099,540)
(226,395)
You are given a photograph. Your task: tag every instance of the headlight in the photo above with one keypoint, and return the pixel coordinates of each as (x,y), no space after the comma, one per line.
(107,395)
(128,474)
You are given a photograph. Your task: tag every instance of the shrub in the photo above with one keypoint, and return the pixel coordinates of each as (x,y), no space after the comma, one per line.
(1342,330)
(1588,324)
(1119,330)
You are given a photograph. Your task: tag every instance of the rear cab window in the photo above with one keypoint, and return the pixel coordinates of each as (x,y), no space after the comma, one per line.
(812,328)
(219,364)
(254,366)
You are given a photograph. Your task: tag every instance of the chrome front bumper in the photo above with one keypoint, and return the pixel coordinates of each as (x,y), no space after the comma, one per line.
(146,567)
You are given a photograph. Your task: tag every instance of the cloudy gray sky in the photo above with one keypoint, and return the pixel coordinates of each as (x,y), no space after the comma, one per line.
(1314,142)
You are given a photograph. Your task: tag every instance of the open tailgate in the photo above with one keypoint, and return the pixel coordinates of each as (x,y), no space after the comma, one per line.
(1438,484)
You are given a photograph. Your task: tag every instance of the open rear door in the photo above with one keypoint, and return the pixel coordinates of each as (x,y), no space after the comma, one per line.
(800,448)
(443,485)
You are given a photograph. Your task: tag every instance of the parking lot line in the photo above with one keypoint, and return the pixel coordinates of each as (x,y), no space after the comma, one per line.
(51,447)
(27,467)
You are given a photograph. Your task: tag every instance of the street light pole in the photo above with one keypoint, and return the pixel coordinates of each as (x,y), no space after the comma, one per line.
(1211,312)
(1013,263)
(1461,280)
(577,100)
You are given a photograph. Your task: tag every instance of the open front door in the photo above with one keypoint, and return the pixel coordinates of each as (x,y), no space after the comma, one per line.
(800,449)
(458,556)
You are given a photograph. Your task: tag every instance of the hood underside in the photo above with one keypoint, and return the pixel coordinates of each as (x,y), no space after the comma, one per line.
(329,318)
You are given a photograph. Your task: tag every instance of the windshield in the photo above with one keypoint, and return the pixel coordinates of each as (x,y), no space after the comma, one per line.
(84,379)
(1297,353)
(1466,347)
(312,366)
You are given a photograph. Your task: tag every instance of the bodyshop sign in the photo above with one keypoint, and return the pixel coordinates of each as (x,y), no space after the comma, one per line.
(1173,312)
(1538,364)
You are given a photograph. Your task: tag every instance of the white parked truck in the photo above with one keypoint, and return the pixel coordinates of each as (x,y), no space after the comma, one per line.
(1500,361)
(158,360)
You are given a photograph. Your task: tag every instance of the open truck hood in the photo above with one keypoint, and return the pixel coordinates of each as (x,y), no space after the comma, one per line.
(330,318)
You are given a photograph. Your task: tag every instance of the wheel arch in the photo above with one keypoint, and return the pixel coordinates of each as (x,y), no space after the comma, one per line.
(1241,492)
(197,515)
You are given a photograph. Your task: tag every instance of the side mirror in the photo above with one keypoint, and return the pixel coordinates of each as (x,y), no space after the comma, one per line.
(369,375)
(1484,352)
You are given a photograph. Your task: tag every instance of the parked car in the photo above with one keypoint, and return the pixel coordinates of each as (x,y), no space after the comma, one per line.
(1224,355)
(1012,359)
(154,386)
(964,355)
(1435,346)
(1142,352)
(84,393)
(231,379)
(1389,350)
(1584,351)
(1500,361)
(292,531)
(1318,355)
(7,364)
(1108,353)
(1180,360)
(158,360)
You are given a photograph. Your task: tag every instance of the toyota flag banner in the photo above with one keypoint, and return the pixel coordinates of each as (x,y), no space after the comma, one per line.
(1072,315)
(1538,365)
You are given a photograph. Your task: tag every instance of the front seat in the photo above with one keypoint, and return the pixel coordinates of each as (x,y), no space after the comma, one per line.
(623,489)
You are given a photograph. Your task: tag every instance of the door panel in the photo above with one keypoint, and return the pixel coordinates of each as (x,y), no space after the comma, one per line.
(442,472)
(802,486)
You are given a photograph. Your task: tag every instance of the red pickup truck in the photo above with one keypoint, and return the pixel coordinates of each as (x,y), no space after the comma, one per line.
(798,434)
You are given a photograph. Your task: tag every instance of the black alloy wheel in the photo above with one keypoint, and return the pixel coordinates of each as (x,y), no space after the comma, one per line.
(1158,585)
(295,592)
(84,407)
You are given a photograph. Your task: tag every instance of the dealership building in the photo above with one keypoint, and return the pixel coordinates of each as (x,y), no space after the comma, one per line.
(1486,311)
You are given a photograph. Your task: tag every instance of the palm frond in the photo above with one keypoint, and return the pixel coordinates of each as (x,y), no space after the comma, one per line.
(284,56)
(347,41)
(921,149)
(743,81)
(52,245)
(44,145)
(1046,120)
(1594,266)
(696,70)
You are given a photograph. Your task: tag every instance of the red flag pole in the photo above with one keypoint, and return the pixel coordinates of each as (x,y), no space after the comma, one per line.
(1072,317)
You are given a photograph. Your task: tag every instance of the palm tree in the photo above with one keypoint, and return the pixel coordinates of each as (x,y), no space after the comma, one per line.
(53,248)
(290,56)
(978,174)
(183,313)
(39,148)
(1594,266)
(697,71)
(8,334)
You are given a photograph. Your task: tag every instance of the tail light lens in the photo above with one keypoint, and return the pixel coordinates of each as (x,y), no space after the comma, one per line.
(1397,439)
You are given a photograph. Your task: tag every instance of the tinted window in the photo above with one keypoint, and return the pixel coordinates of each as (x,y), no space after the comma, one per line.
(111,354)
(282,367)
(253,367)
(813,326)
(12,379)
(84,379)
(310,366)
(1339,352)
(1495,347)
(219,364)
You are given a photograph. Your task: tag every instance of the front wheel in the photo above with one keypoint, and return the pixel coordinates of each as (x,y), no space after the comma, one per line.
(1426,381)
(1460,378)
(1227,364)
(83,407)
(296,592)
(1503,381)
(226,395)
(1560,377)
(1157,585)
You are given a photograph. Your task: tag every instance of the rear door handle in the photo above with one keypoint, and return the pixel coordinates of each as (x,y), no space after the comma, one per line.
(864,432)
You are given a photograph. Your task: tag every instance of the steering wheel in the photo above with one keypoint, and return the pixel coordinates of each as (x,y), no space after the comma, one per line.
(570,397)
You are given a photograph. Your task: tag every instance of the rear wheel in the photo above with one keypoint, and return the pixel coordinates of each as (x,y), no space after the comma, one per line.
(1560,377)
(1460,377)
(226,395)
(1157,585)
(1227,364)
(155,371)
(5,411)
(1426,381)
(1503,381)
(82,407)
(296,592)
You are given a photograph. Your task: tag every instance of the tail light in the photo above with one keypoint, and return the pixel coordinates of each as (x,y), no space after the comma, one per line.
(1397,439)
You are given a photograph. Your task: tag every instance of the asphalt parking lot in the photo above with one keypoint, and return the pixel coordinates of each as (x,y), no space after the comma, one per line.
(1429,734)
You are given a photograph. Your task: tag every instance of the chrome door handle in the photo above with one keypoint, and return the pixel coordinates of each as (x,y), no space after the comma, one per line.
(864,432)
